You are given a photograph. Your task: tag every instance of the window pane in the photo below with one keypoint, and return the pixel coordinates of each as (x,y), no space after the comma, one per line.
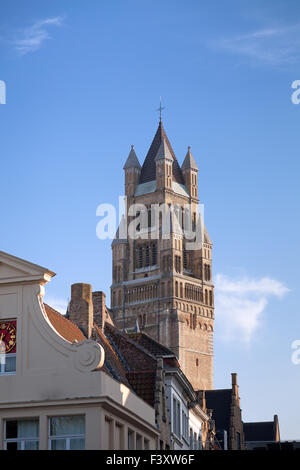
(67,425)
(28,428)
(138,444)
(58,444)
(11,429)
(130,439)
(77,444)
(31,445)
(12,446)
(10,363)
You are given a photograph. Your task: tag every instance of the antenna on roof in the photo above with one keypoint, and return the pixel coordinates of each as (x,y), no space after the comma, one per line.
(160,109)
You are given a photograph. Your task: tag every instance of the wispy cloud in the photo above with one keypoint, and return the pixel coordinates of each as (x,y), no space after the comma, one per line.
(240,304)
(30,39)
(57,303)
(268,46)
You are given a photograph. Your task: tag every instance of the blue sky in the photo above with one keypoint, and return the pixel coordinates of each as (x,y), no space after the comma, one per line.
(83,82)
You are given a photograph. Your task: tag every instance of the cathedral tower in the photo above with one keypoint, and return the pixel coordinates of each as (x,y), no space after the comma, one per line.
(159,285)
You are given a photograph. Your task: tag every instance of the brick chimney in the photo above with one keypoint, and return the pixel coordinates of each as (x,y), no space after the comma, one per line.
(235,387)
(81,307)
(99,309)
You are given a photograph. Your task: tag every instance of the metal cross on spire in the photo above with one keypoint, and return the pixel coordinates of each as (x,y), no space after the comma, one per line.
(160,109)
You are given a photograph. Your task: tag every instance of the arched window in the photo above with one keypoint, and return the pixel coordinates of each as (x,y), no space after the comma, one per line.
(206,297)
(140,260)
(154,254)
(176,289)
(185,264)
(147,255)
(210,298)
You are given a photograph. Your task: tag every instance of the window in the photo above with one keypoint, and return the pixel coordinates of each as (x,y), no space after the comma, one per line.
(200,442)
(185,428)
(178,264)
(191,438)
(176,416)
(67,433)
(154,255)
(130,439)
(238,441)
(178,419)
(147,255)
(21,435)
(146,444)
(7,363)
(119,436)
(140,257)
(139,442)
(184,259)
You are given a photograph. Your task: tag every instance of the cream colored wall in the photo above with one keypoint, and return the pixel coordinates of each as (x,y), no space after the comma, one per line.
(54,375)
(96,414)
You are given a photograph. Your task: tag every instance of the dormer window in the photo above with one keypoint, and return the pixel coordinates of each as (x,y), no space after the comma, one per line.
(8,347)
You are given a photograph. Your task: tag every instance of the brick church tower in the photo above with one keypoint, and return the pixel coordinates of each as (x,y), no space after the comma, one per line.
(159,286)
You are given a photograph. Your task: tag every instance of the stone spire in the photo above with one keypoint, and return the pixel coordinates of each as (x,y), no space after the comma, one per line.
(189,161)
(148,171)
(132,160)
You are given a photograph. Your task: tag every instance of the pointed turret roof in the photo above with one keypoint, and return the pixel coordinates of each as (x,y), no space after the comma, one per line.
(189,161)
(119,237)
(207,237)
(163,152)
(132,160)
(148,172)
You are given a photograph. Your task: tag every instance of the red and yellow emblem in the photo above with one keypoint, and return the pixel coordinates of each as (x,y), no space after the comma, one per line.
(8,336)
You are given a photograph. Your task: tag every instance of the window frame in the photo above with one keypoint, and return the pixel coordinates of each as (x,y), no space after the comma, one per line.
(21,440)
(2,364)
(68,437)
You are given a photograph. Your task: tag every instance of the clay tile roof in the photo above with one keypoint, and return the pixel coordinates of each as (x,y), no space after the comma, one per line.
(112,363)
(63,326)
(136,357)
(143,382)
(148,172)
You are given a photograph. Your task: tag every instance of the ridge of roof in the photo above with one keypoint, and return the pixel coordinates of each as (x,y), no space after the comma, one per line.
(143,336)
